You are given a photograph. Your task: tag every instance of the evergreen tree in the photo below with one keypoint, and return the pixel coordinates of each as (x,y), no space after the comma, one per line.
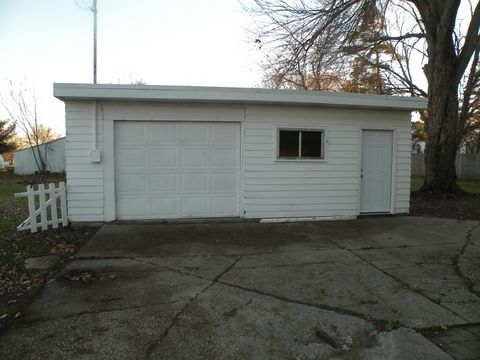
(7,134)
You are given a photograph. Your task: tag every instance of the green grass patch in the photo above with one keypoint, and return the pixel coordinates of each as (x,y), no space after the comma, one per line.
(416,183)
(12,210)
(472,187)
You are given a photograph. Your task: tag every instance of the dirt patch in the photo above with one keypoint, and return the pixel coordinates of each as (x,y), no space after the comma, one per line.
(465,207)
(18,285)
(8,177)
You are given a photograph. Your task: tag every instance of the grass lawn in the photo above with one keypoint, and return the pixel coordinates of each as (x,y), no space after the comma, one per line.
(472,187)
(18,285)
(10,209)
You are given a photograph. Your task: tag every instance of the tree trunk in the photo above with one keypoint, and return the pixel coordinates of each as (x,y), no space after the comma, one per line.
(440,129)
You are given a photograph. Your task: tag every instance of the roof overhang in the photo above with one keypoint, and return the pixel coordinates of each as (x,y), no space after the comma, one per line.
(227,95)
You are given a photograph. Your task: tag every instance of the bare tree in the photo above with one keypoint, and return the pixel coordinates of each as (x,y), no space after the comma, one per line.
(427,34)
(23,112)
(43,133)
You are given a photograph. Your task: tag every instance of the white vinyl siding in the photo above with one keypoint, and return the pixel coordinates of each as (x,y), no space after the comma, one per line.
(316,189)
(403,170)
(269,187)
(85,198)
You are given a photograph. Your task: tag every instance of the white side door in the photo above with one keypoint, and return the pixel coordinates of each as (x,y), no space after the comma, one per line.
(376,186)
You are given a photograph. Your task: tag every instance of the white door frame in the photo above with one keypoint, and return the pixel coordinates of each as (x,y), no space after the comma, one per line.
(394,164)
(161,113)
(240,174)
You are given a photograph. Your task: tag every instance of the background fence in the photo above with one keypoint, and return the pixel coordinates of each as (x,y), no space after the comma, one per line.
(467,166)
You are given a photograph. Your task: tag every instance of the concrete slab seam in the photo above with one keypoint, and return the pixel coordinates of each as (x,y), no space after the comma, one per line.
(396,279)
(336,310)
(409,288)
(175,319)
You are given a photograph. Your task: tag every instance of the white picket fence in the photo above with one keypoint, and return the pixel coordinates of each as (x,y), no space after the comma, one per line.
(47,218)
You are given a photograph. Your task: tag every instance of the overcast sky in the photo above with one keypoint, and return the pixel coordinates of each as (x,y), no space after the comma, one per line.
(177,42)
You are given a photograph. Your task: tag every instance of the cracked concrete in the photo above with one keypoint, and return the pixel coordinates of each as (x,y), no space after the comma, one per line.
(467,261)
(438,282)
(121,334)
(153,347)
(338,279)
(366,289)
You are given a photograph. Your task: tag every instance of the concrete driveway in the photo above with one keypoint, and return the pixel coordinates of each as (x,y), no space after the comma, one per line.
(376,288)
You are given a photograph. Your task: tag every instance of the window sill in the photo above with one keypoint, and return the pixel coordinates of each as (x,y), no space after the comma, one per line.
(300,160)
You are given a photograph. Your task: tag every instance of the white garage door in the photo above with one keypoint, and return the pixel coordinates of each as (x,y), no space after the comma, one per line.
(176,170)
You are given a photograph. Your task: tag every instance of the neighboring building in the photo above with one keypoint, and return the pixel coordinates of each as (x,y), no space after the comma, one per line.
(160,152)
(3,163)
(54,152)
(418,146)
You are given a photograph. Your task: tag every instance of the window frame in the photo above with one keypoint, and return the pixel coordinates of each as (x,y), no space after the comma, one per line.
(323,157)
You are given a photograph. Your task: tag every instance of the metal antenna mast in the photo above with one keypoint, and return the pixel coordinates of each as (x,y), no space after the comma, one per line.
(94,10)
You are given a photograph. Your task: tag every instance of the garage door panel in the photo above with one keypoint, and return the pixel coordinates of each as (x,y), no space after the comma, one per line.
(194,206)
(177,169)
(130,134)
(194,158)
(224,182)
(224,134)
(192,134)
(162,158)
(163,182)
(224,206)
(224,158)
(194,182)
(131,182)
(165,206)
(163,133)
(137,208)
(130,157)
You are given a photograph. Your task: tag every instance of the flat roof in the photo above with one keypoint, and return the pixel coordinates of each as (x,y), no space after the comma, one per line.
(230,95)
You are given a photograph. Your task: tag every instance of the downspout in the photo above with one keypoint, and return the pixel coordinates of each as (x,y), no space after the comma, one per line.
(94,124)
(95,156)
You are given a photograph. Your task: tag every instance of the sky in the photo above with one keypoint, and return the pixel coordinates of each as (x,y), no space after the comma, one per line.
(179,42)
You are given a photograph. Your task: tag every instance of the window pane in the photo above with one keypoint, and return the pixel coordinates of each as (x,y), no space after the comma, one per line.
(288,143)
(311,144)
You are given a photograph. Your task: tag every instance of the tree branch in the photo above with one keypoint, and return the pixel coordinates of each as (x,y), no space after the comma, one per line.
(472,42)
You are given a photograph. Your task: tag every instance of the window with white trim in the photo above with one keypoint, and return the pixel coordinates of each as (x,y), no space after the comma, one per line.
(301,144)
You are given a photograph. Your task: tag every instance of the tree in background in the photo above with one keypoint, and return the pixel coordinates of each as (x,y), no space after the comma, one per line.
(7,137)
(22,108)
(418,130)
(44,134)
(411,34)
(366,75)
(468,127)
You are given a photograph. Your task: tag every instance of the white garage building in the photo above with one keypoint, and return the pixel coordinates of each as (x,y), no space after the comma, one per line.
(163,152)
